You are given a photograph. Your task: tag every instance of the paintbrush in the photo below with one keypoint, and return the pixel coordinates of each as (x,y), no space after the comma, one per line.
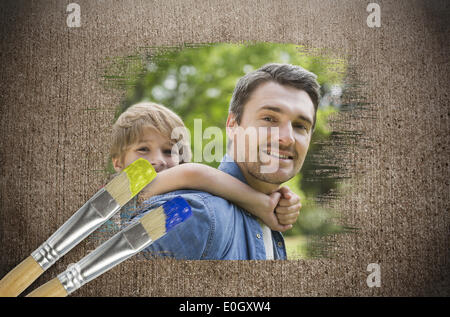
(89,217)
(128,242)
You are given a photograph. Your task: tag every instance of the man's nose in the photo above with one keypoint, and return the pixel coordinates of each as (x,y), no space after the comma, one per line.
(286,134)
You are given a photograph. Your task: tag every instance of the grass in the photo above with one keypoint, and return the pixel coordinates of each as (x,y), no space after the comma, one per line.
(296,247)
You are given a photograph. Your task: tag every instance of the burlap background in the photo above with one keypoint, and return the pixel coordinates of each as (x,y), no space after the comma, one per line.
(56,116)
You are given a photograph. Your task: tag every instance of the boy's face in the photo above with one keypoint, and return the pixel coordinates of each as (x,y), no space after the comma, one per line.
(152,146)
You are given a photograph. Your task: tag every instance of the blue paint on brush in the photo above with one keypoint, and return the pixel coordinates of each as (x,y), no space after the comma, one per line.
(177,210)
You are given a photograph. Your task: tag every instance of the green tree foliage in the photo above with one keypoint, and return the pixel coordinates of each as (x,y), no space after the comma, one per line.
(197,81)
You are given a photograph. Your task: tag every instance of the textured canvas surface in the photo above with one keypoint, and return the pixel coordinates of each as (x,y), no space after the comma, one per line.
(56,115)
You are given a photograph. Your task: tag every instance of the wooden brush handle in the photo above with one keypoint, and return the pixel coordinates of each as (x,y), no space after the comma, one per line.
(52,288)
(19,278)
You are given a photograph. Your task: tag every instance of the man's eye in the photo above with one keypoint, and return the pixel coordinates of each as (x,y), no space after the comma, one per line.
(268,119)
(299,126)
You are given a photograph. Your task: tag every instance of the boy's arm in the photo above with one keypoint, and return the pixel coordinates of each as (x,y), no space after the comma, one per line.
(205,178)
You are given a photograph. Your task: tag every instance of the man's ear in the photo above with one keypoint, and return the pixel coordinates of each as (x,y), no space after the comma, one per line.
(117,164)
(231,125)
(231,131)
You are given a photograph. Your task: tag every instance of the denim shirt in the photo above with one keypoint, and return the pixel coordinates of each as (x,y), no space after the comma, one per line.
(217,230)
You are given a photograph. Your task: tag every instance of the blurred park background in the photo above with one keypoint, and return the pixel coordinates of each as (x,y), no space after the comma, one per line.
(197,81)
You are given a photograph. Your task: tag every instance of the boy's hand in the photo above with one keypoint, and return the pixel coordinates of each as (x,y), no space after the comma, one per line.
(266,212)
(288,208)
(278,210)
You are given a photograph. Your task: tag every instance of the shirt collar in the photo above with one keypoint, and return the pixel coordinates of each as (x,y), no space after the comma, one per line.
(229,166)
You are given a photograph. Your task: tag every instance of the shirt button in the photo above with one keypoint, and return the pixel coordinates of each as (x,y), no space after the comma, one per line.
(258,236)
(280,244)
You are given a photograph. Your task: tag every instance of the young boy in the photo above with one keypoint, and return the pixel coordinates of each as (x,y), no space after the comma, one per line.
(145,130)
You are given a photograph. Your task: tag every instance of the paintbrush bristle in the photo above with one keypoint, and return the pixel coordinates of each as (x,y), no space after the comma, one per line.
(131,181)
(119,189)
(162,219)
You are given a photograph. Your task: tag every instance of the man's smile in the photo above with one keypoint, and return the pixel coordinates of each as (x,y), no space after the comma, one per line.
(280,155)
(283,157)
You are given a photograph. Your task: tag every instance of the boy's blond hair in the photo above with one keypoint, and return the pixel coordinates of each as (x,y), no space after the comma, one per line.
(130,125)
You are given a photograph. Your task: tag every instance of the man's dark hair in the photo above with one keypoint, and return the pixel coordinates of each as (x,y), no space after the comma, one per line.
(283,74)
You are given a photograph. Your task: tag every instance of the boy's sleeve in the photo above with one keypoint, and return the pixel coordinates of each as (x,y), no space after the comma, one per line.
(190,240)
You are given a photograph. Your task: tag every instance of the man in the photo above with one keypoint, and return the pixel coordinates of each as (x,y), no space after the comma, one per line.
(279,103)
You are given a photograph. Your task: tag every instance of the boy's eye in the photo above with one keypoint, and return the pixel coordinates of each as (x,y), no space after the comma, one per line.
(143,149)
(167,151)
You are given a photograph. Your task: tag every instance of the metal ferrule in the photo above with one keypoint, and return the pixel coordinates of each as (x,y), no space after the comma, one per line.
(89,217)
(120,247)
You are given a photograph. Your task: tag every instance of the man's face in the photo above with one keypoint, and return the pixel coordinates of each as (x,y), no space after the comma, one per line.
(288,110)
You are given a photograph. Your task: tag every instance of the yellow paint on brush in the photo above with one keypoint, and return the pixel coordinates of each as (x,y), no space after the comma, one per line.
(139,173)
